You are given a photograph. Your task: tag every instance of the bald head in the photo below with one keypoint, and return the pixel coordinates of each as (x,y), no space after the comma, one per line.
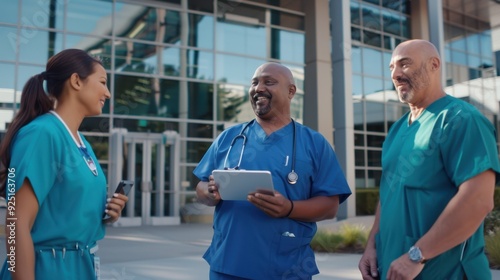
(276,69)
(421,48)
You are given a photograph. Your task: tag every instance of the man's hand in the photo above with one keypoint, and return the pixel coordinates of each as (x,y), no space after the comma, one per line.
(208,192)
(404,269)
(368,264)
(276,205)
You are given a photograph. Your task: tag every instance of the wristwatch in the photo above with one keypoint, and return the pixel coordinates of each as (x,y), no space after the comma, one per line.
(415,255)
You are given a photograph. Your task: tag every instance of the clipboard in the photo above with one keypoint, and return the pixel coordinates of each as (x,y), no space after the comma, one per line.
(237,184)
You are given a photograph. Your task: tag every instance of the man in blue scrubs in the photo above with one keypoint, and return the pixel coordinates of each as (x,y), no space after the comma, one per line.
(440,163)
(267,237)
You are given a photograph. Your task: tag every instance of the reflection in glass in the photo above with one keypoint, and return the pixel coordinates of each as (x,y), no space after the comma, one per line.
(375,116)
(201,97)
(26,72)
(374,158)
(486,44)
(357,85)
(391,22)
(40,47)
(358,115)
(99,144)
(371,17)
(355,17)
(200,65)
(392,4)
(287,45)
(146,96)
(8,13)
(144,125)
(89,16)
(355,34)
(201,31)
(374,140)
(356,59)
(200,130)
(360,178)
(99,47)
(359,157)
(359,139)
(236,69)
(372,62)
(386,61)
(147,23)
(242,39)
(144,58)
(9,43)
(233,104)
(40,14)
(405,27)
(373,86)
(7,80)
(374,178)
(372,38)
(196,150)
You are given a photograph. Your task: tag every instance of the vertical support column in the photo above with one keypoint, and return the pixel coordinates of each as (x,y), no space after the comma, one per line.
(436,32)
(116,158)
(318,105)
(342,97)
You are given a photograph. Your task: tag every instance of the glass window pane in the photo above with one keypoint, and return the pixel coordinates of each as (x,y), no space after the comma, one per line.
(389,42)
(392,4)
(145,125)
(391,23)
(357,85)
(95,46)
(374,158)
(355,34)
(287,20)
(233,104)
(474,61)
(375,116)
(242,13)
(372,38)
(374,140)
(359,157)
(7,96)
(26,72)
(360,178)
(386,60)
(89,16)
(376,2)
(196,150)
(235,69)
(146,23)
(201,31)
(201,5)
(371,17)
(373,86)
(486,45)
(10,43)
(99,144)
(406,27)
(359,139)
(356,59)
(287,45)
(355,10)
(243,39)
(374,178)
(372,62)
(143,58)
(41,47)
(394,111)
(146,96)
(200,65)
(405,6)
(201,100)
(458,57)
(472,42)
(358,115)
(38,13)
(9,12)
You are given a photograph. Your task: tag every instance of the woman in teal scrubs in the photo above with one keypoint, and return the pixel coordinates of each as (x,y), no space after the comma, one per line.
(54,186)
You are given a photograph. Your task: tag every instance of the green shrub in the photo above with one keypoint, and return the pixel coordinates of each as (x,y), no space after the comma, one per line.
(492,223)
(493,250)
(348,239)
(366,201)
(496,199)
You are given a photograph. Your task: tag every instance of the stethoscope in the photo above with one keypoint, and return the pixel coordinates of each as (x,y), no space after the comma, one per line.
(292,177)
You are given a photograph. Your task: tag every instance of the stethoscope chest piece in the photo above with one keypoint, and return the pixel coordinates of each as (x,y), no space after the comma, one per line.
(292,177)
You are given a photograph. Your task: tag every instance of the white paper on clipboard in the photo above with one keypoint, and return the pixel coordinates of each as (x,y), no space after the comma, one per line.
(237,184)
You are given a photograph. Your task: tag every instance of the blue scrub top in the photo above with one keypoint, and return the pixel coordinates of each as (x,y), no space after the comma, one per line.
(423,165)
(71,198)
(247,242)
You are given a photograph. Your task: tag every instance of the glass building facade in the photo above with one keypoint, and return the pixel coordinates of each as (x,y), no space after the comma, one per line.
(183,68)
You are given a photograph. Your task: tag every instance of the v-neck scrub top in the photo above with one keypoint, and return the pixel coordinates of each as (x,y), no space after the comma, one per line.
(424,163)
(247,242)
(71,199)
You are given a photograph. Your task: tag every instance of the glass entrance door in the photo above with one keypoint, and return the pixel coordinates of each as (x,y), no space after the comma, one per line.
(151,161)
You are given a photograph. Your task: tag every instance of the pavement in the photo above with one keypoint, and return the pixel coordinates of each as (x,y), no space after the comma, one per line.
(174,252)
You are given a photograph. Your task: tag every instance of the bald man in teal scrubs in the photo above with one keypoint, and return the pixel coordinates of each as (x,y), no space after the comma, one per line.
(440,164)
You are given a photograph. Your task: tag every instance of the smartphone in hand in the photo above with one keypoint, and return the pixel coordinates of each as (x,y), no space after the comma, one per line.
(123,188)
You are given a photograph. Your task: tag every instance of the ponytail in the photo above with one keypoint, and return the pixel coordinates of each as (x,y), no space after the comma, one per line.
(34,102)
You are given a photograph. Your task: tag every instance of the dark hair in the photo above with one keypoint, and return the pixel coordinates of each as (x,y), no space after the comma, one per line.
(35,101)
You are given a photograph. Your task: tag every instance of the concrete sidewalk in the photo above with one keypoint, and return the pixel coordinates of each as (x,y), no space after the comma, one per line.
(174,253)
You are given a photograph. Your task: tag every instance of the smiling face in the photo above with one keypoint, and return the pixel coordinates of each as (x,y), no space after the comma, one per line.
(409,72)
(271,92)
(94,91)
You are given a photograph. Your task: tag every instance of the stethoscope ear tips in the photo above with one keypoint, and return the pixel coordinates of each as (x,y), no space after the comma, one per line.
(292,177)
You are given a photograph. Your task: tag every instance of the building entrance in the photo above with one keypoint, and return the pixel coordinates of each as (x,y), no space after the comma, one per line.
(151,161)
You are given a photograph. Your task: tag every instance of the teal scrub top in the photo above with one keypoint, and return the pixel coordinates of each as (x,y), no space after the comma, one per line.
(71,199)
(423,165)
(250,244)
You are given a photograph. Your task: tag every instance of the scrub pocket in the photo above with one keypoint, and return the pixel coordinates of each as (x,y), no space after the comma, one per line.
(294,258)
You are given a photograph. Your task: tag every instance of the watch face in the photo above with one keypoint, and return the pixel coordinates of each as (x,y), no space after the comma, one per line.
(415,254)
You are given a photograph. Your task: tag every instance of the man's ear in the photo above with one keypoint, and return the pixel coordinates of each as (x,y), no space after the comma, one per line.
(292,89)
(75,82)
(435,63)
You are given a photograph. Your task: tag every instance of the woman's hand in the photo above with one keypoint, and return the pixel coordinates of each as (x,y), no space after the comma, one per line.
(115,206)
